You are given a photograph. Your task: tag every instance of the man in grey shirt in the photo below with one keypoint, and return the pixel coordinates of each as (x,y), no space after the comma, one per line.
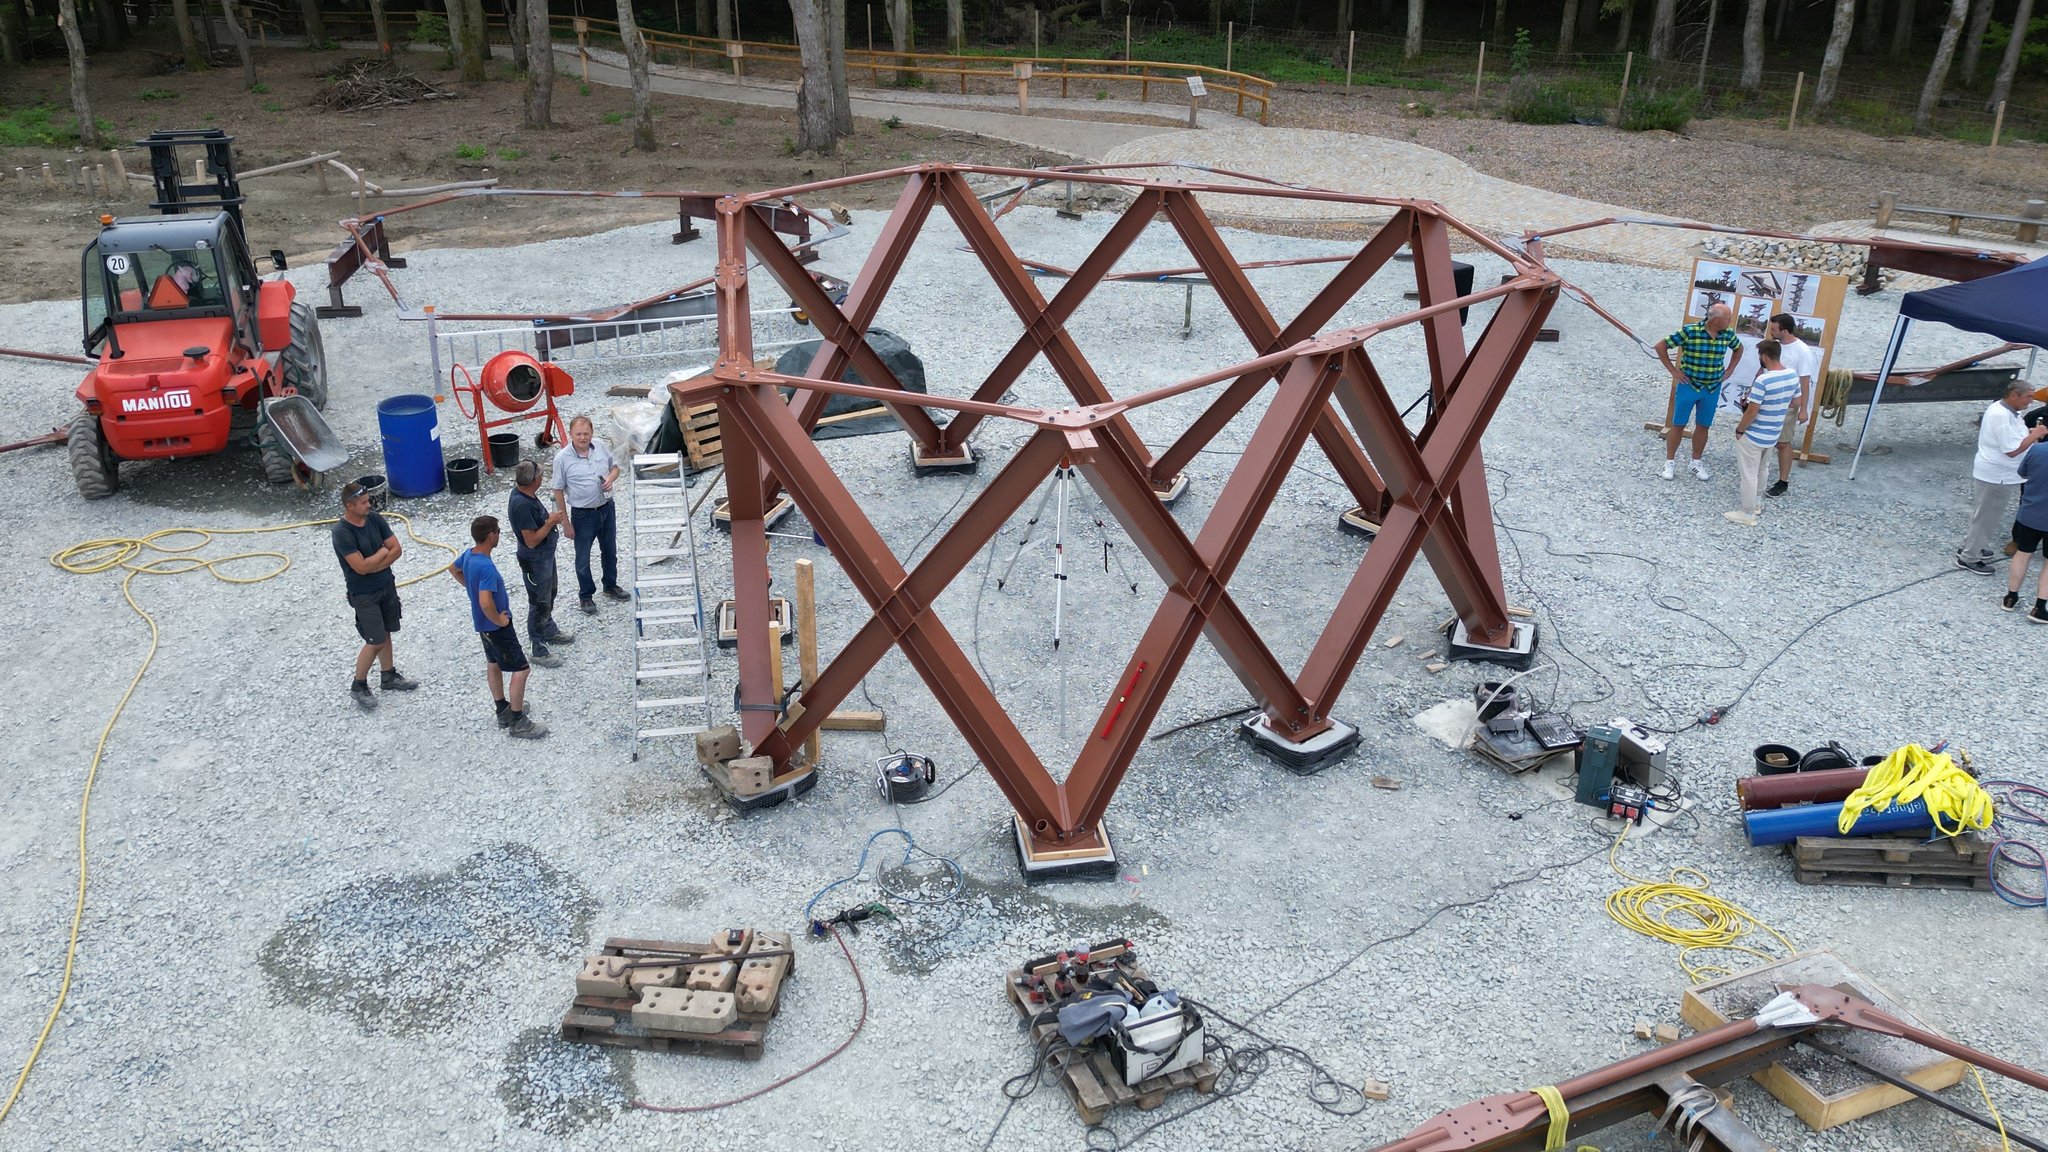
(583,477)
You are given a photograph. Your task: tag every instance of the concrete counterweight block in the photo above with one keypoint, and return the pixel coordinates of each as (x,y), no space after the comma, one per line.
(684,1010)
(598,979)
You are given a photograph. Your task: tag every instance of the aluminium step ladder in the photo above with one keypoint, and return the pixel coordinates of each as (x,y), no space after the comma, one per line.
(671,667)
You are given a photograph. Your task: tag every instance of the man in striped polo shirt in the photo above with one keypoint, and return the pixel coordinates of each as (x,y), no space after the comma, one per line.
(1707,355)
(1763,418)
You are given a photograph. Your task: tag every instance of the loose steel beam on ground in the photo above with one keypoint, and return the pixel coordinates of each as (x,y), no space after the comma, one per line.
(1433,491)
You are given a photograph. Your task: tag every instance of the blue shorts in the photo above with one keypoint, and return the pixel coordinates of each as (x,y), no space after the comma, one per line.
(1692,404)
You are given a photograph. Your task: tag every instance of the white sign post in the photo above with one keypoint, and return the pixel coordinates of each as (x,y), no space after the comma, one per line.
(1196,90)
(1023,72)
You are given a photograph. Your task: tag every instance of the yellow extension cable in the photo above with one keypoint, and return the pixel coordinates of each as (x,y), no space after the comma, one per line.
(1684,913)
(96,556)
(1955,801)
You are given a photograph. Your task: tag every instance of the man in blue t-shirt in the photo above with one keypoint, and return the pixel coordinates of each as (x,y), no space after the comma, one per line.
(364,544)
(2030,533)
(478,575)
(1763,418)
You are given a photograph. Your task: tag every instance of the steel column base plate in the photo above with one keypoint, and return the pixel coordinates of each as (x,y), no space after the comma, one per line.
(1041,865)
(926,463)
(789,789)
(1358,523)
(721,513)
(1519,654)
(1303,758)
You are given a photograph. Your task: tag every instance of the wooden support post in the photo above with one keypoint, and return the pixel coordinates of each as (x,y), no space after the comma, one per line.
(1798,88)
(855,722)
(1063,79)
(1144,84)
(362,193)
(775,658)
(1127,41)
(320,172)
(120,168)
(1229,45)
(583,46)
(1479,77)
(199,169)
(49,182)
(70,174)
(874,75)
(1887,203)
(1022,70)
(106,189)
(2031,233)
(1034,33)
(1350,50)
(807,639)
(1997,125)
(1628,64)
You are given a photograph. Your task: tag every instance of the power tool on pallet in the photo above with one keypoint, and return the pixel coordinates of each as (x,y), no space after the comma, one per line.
(1097,996)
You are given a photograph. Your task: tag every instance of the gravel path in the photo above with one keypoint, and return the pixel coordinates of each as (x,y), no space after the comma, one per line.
(308,928)
(1732,171)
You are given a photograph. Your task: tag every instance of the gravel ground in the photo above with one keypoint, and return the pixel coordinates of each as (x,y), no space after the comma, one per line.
(1747,173)
(311,928)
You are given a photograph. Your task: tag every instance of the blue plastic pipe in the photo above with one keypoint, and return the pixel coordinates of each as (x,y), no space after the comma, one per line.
(1784,825)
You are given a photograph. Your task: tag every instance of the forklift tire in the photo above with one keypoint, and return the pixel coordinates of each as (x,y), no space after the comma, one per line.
(305,359)
(93,466)
(279,466)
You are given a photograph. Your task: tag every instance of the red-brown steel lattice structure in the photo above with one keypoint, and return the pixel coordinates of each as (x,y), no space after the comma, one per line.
(1427,488)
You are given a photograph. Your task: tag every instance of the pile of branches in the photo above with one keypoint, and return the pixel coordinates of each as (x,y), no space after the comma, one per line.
(361,85)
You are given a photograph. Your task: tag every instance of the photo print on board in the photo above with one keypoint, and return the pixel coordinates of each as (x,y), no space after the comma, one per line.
(1802,291)
(1704,298)
(1761,282)
(1717,277)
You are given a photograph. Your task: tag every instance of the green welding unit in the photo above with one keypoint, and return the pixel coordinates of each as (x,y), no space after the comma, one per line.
(1597,760)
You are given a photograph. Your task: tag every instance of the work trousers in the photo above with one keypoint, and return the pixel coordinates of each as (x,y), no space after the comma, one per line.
(1752,461)
(1990,516)
(539,571)
(595,526)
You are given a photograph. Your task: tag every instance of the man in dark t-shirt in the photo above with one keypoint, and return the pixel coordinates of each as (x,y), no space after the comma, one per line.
(534,532)
(505,663)
(366,548)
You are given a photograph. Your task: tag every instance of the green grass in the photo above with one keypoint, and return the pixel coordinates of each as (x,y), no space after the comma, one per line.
(471,152)
(156,94)
(614,117)
(35,128)
(511,153)
(583,89)
(1533,102)
(1652,111)
(260,88)
(272,106)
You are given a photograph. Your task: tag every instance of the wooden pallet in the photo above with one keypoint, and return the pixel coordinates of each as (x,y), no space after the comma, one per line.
(609,1020)
(1091,1081)
(1960,863)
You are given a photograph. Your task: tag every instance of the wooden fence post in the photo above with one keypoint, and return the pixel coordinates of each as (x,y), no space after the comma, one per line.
(807,641)
(2035,210)
(1887,203)
(1798,87)
(1479,77)
(874,76)
(1628,64)
(1127,41)
(1350,50)
(1229,44)
(1997,124)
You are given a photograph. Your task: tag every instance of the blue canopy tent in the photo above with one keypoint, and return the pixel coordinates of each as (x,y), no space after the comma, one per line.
(2012,305)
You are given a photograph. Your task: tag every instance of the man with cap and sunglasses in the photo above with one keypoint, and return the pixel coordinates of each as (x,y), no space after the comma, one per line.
(367,549)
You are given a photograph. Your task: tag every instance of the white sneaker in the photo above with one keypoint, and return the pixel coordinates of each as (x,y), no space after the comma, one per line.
(1739,517)
(1699,469)
(1668,473)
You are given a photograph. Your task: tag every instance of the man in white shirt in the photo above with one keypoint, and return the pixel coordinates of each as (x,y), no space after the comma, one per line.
(2002,438)
(1803,358)
(583,477)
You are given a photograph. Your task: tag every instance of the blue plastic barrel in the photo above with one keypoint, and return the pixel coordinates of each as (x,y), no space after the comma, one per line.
(412,445)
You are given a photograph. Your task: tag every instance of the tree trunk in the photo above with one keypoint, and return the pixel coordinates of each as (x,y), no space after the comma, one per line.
(515,30)
(1663,26)
(2010,63)
(835,41)
(1413,47)
(13,34)
(897,13)
(1215,15)
(1937,76)
(380,26)
(636,66)
(238,38)
(700,23)
(1343,16)
(1873,26)
(956,26)
(188,44)
(1753,46)
(316,28)
(112,21)
(1569,26)
(724,19)
(540,67)
(1902,32)
(1973,42)
(1628,26)
(458,40)
(1778,25)
(1500,21)
(815,111)
(74,46)
(1831,63)
(476,59)
(1589,20)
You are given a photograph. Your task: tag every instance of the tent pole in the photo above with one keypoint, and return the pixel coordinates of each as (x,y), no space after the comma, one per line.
(1891,355)
(2031,353)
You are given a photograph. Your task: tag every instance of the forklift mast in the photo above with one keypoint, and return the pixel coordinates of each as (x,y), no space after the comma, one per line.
(173,194)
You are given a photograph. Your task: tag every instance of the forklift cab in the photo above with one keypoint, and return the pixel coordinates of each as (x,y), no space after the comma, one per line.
(168,268)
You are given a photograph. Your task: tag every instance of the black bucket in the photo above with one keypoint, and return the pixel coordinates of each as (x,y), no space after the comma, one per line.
(462,475)
(1873,761)
(1826,758)
(378,490)
(1494,697)
(1771,759)
(504,450)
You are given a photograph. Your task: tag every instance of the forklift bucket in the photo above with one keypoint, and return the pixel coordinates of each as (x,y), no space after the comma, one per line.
(305,432)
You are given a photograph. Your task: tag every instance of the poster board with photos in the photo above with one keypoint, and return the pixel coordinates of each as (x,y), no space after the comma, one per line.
(1756,293)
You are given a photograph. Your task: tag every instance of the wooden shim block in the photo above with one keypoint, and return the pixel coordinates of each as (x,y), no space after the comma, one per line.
(1376,1090)
(844,721)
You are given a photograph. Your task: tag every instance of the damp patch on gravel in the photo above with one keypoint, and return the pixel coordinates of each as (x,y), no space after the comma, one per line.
(554,1087)
(400,954)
